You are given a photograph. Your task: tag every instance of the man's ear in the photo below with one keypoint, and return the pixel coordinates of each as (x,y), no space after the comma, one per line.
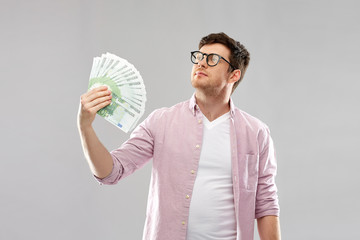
(235,76)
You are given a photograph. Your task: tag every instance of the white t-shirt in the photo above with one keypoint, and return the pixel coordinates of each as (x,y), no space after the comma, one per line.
(212,210)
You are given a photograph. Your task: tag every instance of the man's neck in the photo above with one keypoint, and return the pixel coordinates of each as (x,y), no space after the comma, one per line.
(213,106)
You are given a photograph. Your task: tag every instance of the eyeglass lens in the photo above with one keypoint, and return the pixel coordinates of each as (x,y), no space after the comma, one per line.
(211,59)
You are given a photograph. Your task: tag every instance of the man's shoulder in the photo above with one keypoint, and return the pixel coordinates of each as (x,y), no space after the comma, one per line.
(248,120)
(178,108)
(161,117)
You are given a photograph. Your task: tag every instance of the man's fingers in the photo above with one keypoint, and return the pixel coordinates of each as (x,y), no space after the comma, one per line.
(94,90)
(101,88)
(96,93)
(100,105)
(91,102)
(98,101)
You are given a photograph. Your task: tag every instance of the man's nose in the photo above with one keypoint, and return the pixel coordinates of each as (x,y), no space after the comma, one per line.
(203,63)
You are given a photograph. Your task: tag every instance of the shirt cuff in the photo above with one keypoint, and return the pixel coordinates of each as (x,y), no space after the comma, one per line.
(272,212)
(115,174)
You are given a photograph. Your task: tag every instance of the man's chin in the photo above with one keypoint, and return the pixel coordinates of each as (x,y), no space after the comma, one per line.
(197,83)
(201,88)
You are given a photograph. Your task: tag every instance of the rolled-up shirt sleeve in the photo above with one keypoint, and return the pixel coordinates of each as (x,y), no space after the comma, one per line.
(266,198)
(134,153)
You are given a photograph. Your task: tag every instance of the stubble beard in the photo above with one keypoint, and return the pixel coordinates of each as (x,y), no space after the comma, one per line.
(206,88)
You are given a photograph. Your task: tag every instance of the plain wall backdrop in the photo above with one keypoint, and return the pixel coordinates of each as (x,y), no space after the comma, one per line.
(303,82)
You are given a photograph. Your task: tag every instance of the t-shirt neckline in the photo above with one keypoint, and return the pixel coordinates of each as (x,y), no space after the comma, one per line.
(216,121)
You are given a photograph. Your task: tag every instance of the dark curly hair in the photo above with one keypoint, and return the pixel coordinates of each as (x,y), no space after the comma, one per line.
(239,57)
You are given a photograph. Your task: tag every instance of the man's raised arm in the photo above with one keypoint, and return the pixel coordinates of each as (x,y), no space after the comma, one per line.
(98,157)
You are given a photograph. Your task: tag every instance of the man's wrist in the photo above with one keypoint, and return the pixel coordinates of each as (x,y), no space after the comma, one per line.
(84,127)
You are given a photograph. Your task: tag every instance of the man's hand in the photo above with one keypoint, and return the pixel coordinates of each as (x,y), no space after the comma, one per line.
(98,157)
(269,228)
(90,103)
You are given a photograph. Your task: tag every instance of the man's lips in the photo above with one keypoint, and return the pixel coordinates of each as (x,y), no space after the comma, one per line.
(200,73)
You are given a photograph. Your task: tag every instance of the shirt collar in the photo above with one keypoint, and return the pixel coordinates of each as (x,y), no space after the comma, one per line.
(194,108)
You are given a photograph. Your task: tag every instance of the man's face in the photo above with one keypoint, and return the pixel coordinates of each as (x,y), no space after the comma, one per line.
(211,79)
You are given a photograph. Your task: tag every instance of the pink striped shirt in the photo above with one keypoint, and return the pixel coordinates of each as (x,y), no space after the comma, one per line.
(172,138)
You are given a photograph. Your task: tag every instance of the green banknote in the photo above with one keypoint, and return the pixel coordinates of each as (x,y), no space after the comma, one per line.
(118,112)
(127,87)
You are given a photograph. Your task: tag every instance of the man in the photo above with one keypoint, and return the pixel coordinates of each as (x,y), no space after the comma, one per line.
(213,164)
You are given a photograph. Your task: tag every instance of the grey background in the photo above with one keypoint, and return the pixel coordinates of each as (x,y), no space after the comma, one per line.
(303,81)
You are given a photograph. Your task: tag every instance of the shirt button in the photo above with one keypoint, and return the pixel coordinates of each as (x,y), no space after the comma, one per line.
(187,196)
(183,222)
(199,121)
(197,146)
(192,171)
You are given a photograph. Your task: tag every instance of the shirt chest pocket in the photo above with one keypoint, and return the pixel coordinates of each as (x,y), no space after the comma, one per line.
(248,171)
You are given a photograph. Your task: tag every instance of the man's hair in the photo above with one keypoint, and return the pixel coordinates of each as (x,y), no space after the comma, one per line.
(239,56)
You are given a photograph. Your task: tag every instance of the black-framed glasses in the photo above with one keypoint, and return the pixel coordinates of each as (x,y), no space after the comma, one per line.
(212,59)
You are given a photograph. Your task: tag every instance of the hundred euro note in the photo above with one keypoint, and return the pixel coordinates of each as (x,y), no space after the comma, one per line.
(127,87)
(118,112)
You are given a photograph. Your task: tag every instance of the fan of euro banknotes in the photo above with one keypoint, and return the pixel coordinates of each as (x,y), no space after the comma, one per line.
(126,86)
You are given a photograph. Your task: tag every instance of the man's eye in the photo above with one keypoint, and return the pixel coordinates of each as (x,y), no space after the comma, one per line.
(214,58)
